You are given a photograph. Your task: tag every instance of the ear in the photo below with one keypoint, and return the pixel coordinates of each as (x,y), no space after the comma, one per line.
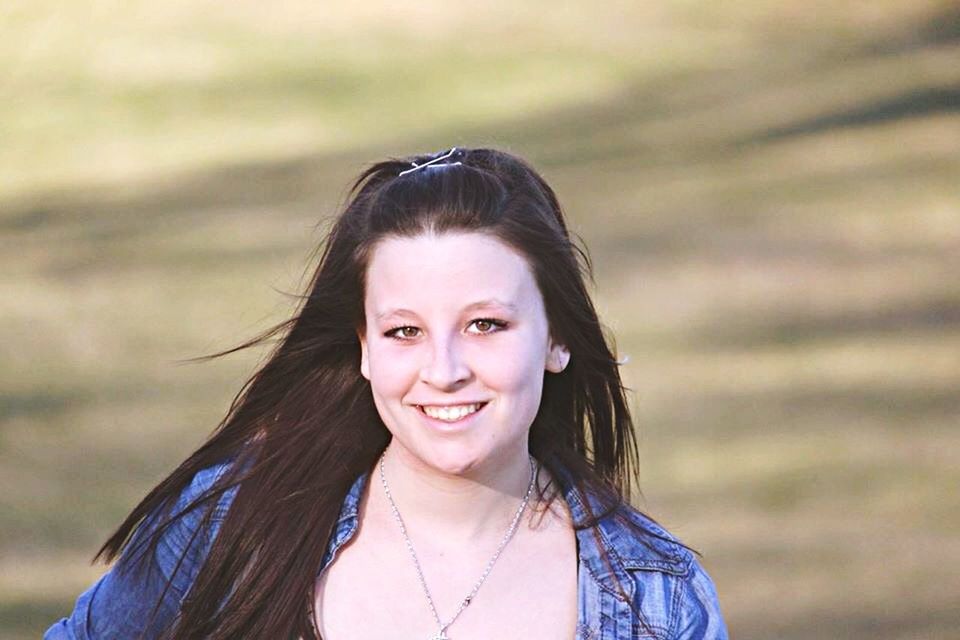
(364,359)
(557,357)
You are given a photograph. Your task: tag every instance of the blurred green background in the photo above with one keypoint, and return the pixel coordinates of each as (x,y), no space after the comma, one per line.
(769,191)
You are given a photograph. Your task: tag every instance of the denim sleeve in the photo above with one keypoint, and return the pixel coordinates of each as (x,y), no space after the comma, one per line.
(699,614)
(122,603)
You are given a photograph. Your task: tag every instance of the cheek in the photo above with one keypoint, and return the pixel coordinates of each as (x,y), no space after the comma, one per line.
(516,369)
(390,373)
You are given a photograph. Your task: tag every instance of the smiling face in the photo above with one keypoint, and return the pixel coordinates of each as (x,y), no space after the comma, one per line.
(455,350)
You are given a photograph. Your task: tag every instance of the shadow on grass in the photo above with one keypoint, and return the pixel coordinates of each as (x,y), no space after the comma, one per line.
(806,409)
(909,105)
(940,28)
(40,404)
(308,188)
(297,193)
(933,315)
(30,618)
(920,622)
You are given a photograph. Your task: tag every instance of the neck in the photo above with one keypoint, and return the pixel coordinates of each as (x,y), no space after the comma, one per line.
(452,509)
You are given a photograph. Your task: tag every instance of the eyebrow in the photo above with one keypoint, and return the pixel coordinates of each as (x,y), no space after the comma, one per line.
(480,304)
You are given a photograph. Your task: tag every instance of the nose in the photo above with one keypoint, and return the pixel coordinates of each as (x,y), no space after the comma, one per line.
(447,368)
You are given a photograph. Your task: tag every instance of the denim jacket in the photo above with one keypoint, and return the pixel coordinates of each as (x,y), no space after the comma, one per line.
(672,597)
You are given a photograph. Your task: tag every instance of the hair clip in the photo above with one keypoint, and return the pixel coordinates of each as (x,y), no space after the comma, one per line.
(433,163)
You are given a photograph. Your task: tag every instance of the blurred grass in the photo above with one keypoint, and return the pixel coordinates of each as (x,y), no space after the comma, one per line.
(769,193)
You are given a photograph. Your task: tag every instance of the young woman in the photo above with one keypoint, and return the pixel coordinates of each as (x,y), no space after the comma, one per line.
(438,447)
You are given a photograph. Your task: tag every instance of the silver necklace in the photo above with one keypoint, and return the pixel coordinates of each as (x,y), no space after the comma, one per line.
(442,631)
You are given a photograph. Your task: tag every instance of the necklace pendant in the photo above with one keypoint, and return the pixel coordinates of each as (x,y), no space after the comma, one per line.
(440,635)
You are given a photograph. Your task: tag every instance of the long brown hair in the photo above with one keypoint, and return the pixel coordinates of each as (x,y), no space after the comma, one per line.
(304,426)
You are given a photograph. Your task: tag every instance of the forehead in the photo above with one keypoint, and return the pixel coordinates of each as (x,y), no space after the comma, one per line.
(453,266)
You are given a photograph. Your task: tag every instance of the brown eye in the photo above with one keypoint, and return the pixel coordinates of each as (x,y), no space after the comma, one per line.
(402,333)
(487,325)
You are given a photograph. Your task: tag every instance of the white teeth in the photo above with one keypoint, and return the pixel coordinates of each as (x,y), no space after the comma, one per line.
(451,414)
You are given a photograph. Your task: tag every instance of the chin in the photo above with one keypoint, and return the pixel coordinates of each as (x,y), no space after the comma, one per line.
(455,465)
(452,458)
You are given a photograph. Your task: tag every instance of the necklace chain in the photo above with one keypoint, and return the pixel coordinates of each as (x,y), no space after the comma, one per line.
(441,634)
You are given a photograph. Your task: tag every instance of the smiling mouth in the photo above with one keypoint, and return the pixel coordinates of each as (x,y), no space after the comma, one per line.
(451,414)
